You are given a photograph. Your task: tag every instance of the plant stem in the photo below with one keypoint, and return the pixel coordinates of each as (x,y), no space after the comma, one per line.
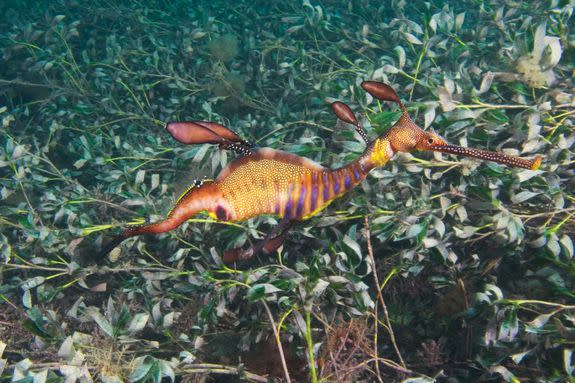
(209,368)
(375,339)
(278,341)
(521,302)
(379,295)
(310,346)
(480,105)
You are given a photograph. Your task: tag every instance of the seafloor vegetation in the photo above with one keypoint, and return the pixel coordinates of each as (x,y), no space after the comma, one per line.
(474,260)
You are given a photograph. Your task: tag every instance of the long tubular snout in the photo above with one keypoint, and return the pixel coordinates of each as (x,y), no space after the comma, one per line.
(487,155)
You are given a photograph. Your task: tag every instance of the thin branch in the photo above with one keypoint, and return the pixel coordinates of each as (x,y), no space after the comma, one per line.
(278,341)
(375,336)
(310,346)
(379,295)
(207,368)
(386,362)
(521,302)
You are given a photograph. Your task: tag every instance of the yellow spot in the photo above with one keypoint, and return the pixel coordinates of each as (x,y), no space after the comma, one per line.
(382,152)
(536,163)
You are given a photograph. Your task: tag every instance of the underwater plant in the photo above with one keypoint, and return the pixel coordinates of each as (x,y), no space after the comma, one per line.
(537,66)
(223,48)
(475,261)
(231,84)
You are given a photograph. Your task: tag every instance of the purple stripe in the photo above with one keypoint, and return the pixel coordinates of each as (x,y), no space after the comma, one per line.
(221,213)
(356,173)
(335,183)
(325,178)
(277,197)
(347,181)
(287,211)
(314,190)
(301,200)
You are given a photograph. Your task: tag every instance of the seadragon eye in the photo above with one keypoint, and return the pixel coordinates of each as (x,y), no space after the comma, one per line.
(430,140)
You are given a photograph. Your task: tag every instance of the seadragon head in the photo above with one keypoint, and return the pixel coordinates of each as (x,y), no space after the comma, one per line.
(406,136)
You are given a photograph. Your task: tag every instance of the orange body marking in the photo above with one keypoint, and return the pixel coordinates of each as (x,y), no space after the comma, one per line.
(268,181)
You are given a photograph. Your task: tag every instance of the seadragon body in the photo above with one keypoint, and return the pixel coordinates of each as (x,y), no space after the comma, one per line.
(268,181)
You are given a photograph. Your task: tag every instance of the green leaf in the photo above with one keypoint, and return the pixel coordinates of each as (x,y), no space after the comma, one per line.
(142,367)
(353,245)
(540,321)
(102,322)
(27,299)
(509,327)
(417,231)
(494,290)
(517,358)
(167,370)
(35,329)
(568,361)
(505,373)
(33,282)
(36,323)
(67,350)
(567,246)
(419,379)
(523,196)
(319,288)
(138,322)
(259,290)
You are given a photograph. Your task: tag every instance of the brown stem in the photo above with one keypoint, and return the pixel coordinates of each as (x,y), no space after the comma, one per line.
(375,336)
(379,295)
(278,342)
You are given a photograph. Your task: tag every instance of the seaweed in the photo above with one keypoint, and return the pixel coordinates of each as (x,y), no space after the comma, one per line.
(474,261)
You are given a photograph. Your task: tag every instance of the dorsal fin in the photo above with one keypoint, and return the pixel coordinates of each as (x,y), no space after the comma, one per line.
(207,132)
(192,133)
(383,92)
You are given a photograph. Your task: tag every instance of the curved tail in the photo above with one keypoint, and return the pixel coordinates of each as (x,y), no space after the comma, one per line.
(202,196)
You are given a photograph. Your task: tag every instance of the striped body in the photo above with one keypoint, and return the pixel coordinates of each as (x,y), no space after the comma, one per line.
(268,181)
(283,184)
